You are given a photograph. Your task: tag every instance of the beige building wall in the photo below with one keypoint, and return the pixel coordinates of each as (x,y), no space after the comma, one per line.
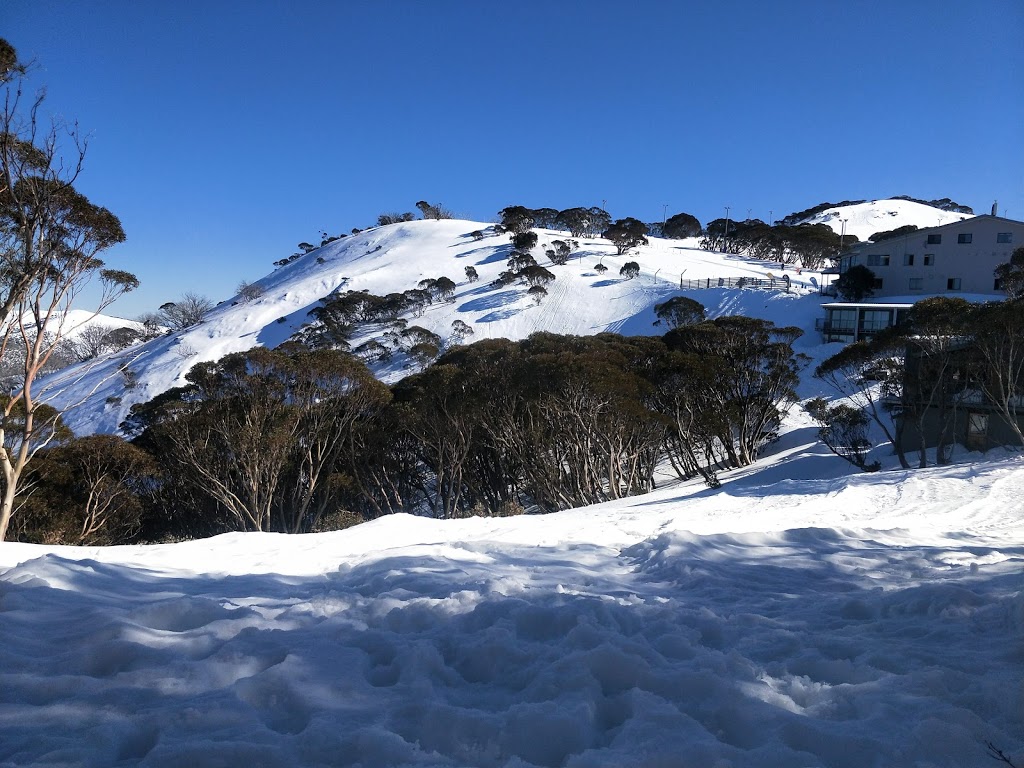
(951,259)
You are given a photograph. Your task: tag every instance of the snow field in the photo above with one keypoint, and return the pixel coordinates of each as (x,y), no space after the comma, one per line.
(853,621)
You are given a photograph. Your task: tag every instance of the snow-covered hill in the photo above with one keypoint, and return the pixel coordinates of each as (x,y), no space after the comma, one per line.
(865,219)
(395,258)
(76,321)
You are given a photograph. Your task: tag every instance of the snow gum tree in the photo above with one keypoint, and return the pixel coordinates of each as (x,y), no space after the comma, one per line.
(264,433)
(50,237)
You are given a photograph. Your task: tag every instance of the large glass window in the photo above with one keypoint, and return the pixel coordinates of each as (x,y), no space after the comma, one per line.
(1004,237)
(908,259)
(878,260)
(874,320)
(842,320)
(916,283)
(964,238)
(934,239)
(929,259)
(953,284)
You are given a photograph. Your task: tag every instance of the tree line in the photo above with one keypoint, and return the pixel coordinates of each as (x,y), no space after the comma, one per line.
(296,439)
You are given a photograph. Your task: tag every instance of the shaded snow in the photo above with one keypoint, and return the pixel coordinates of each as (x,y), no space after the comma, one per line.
(844,620)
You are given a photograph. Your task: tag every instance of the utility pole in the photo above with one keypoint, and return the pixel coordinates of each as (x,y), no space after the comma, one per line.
(664,217)
(771,221)
(842,237)
(725,237)
(748,213)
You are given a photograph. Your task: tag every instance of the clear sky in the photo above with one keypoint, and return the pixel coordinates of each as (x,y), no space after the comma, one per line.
(224,133)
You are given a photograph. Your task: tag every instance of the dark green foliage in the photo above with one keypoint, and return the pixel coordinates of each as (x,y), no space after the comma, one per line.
(576,220)
(516,219)
(856,283)
(432,211)
(536,275)
(626,234)
(583,221)
(560,251)
(1011,275)
(800,216)
(524,241)
(892,234)
(538,293)
(263,437)
(394,218)
(681,225)
(10,67)
(630,270)
(943,204)
(544,217)
(750,372)
(844,429)
(547,423)
(519,261)
(87,491)
(679,311)
(471,274)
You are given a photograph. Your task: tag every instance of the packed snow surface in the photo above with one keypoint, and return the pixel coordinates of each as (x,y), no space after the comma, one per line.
(866,219)
(798,616)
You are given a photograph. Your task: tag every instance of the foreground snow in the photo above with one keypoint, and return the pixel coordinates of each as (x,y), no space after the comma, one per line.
(853,620)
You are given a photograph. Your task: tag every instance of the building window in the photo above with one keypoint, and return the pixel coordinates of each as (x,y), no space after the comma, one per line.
(934,239)
(1004,237)
(953,284)
(929,259)
(878,260)
(841,322)
(916,283)
(908,259)
(977,429)
(964,238)
(874,320)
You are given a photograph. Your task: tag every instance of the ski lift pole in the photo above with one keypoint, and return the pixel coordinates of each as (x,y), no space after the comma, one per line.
(681,279)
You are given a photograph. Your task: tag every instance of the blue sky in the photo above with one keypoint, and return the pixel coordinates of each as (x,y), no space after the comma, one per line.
(223,133)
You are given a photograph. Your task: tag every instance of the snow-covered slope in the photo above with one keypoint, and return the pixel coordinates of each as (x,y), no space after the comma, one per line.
(798,616)
(77,321)
(394,259)
(865,219)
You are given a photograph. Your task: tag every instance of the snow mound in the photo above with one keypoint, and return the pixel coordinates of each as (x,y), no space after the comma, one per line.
(865,219)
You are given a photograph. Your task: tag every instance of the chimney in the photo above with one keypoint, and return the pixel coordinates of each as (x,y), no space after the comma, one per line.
(995,207)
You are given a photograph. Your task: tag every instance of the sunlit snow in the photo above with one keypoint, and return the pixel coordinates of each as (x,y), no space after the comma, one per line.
(847,620)
(801,615)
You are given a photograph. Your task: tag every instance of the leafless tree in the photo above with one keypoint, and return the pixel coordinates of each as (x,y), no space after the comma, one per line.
(191,309)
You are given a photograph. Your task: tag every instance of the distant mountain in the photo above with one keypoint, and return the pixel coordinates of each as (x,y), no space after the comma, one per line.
(865,218)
